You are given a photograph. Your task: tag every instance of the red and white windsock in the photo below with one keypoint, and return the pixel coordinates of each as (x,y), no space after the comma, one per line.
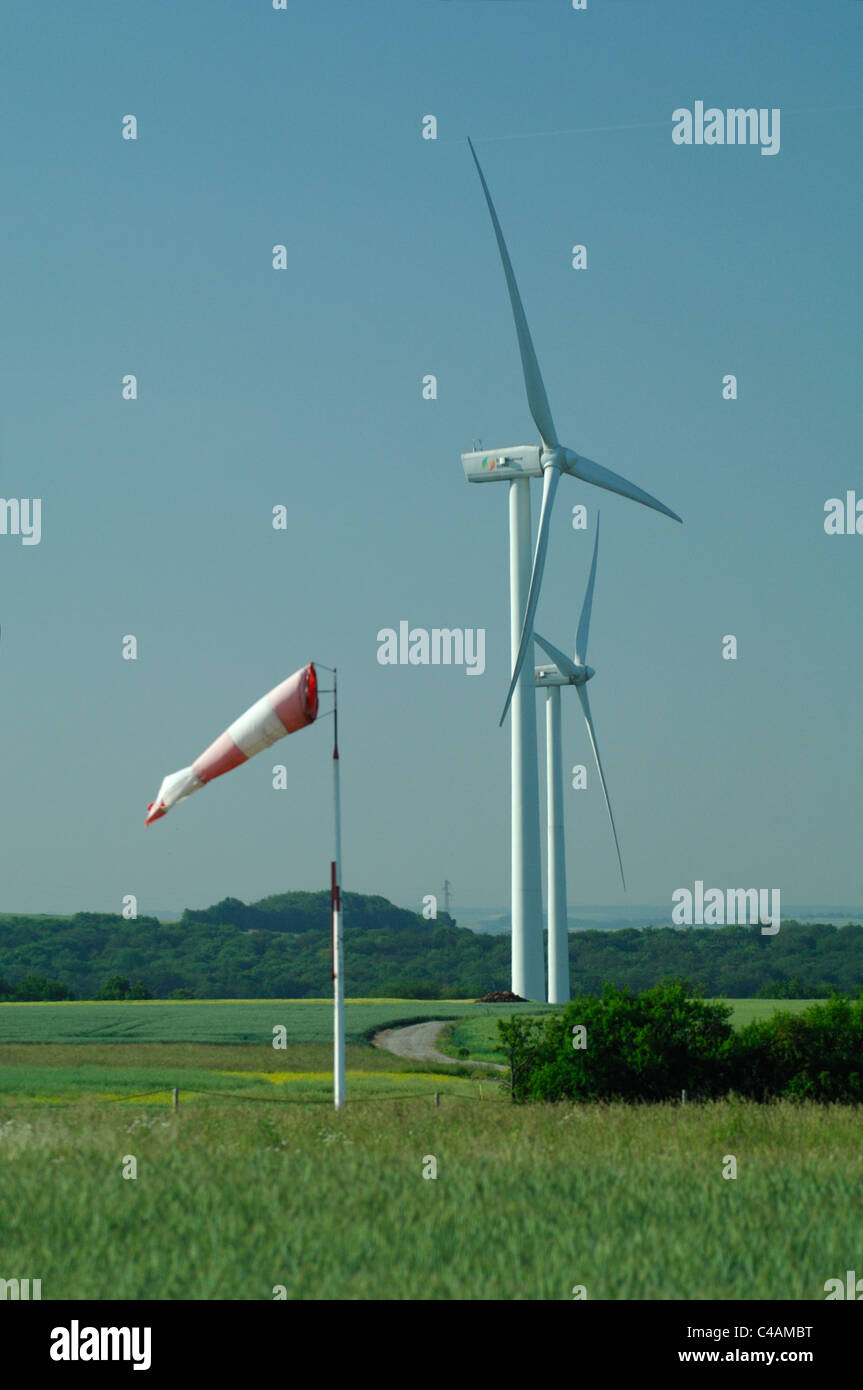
(290,706)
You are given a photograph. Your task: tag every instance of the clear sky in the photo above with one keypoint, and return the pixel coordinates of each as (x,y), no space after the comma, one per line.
(302,387)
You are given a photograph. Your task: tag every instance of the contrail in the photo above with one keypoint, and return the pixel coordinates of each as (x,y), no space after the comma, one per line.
(642,125)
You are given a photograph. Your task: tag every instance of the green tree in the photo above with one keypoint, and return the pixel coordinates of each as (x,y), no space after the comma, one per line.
(115,987)
(520,1040)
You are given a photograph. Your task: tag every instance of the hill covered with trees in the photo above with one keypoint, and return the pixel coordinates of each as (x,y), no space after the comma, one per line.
(279,947)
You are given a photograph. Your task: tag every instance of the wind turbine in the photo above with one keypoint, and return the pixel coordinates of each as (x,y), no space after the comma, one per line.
(575,672)
(517,465)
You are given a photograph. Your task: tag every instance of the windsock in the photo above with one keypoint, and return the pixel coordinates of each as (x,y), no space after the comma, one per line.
(290,706)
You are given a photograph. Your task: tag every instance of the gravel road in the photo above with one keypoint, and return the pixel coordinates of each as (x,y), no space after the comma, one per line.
(417,1042)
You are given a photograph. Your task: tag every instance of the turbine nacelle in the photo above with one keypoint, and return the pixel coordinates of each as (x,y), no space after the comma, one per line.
(552,675)
(503,465)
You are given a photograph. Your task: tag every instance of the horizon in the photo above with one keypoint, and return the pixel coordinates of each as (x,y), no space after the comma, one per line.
(826,914)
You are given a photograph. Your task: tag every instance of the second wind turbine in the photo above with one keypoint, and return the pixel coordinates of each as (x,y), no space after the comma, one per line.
(566,671)
(517,465)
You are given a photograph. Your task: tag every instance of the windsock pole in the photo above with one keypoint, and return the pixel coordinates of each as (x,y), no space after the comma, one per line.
(336,891)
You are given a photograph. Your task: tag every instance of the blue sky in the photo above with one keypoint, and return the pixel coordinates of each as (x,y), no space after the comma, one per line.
(303,387)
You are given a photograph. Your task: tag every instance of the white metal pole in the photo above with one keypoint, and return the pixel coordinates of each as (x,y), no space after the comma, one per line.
(558,932)
(338,953)
(528,966)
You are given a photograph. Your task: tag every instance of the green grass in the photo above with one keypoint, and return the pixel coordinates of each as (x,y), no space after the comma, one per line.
(480,1036)
(56,1074)
(746,1010)
(241,1021)
(230,1201)
(254,1182)
(224,1020)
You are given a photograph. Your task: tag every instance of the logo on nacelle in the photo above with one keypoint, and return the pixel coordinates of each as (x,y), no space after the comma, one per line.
(501,461)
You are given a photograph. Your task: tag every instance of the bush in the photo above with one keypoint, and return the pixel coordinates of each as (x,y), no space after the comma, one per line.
(792,988)
(652,1046)
(814,1055)
(118,987)
(521,1039)
(646,1046)
(34,988)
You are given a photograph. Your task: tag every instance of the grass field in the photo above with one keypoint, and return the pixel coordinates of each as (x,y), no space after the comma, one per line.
(255,1183)
(252,1020)
(480,1036)
(147,1073)
(225,1020)
(231,1201)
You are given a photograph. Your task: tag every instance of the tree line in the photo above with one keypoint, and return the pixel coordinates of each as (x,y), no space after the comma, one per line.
(279,947)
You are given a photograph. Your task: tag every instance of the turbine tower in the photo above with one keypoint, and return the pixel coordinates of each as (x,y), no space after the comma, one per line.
(563,671)
(517,466)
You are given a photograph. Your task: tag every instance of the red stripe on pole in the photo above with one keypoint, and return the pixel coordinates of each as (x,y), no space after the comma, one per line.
(334,903)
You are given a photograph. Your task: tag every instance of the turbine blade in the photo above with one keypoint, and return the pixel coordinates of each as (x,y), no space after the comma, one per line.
(536,397)
(585,704)
(584,620)
(550,480)
(560,659)
(603,477)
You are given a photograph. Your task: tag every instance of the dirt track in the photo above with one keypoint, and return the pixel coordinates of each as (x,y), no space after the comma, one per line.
(417,1042)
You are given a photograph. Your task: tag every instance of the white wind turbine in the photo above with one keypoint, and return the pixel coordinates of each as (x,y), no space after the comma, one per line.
(517,466)
(566,672)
